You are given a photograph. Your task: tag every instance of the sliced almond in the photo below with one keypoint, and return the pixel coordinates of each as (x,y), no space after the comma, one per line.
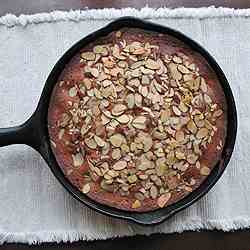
(205,171)
(147,143)
(207,99)
(174,72)
(116,154)
(123,119)
(136,204)
(61,133)
(139,122)
(145,80)
(203,132)
(106,83)
(132,178)
(191,126)
(151,64)
(118,109)
(138,100)
(183,69)
(77,160)
(163,199)
(153,192)
(192,158)
(99,49)
(117,140)
(94,72)
(99,141)
(177,59)
(120,165)
(89,56)
(180,136)
(183,107)
(134,82)
(176,111)
(90,142)
(146,71)
(217,113)
(203,85)
(86,188)
(72,92)
(130,99)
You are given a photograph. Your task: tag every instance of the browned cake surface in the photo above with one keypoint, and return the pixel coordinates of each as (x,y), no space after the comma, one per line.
(137,120)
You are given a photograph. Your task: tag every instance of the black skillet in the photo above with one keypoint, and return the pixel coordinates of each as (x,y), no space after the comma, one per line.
(34,132)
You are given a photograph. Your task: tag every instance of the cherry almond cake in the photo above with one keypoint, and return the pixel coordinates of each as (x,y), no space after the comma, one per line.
(137,120)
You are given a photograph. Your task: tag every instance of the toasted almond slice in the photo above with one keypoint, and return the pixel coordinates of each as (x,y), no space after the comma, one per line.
(99,49)
(151,64)
(89,56)
(118,34)
(118,109)
(94,72)
(77,160)
(136,204)
(203,132)
(207,99)
(97,93)
(72,92)
(87,83)
(163,199)
(176,111)
(183,107)
(86,188)
(205,171)
(217,113)
(99,141)
(122,64)
(130,99)
(61,133)
(90,142)
(146,71)
(139,51)
(147,143)
(117,140)
(136,65)
(105,120)
(153,192)
(138,100)
(188,77)
(183,69)
(123,119)
(174,72)
(203,85)
(132,178)
(179,135)
(192,158)
(140,119)
(145,80)
(177,59)
(120,165)
(191,126)
(106,83)
(134,82)
(116,154)
(144,91)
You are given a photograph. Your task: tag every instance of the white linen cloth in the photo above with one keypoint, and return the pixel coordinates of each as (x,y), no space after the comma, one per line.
(34,207)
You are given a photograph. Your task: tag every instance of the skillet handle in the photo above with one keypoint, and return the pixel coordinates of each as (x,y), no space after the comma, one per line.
(22,134)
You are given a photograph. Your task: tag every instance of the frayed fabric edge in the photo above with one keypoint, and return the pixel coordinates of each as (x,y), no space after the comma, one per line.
(72,236)
(11,20)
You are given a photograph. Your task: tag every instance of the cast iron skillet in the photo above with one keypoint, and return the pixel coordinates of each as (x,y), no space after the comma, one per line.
(34,132)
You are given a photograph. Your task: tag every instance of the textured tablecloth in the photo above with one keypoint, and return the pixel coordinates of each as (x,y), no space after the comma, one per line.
(33,205)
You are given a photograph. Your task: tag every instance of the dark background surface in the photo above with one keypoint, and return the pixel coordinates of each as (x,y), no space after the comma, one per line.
(184,241)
